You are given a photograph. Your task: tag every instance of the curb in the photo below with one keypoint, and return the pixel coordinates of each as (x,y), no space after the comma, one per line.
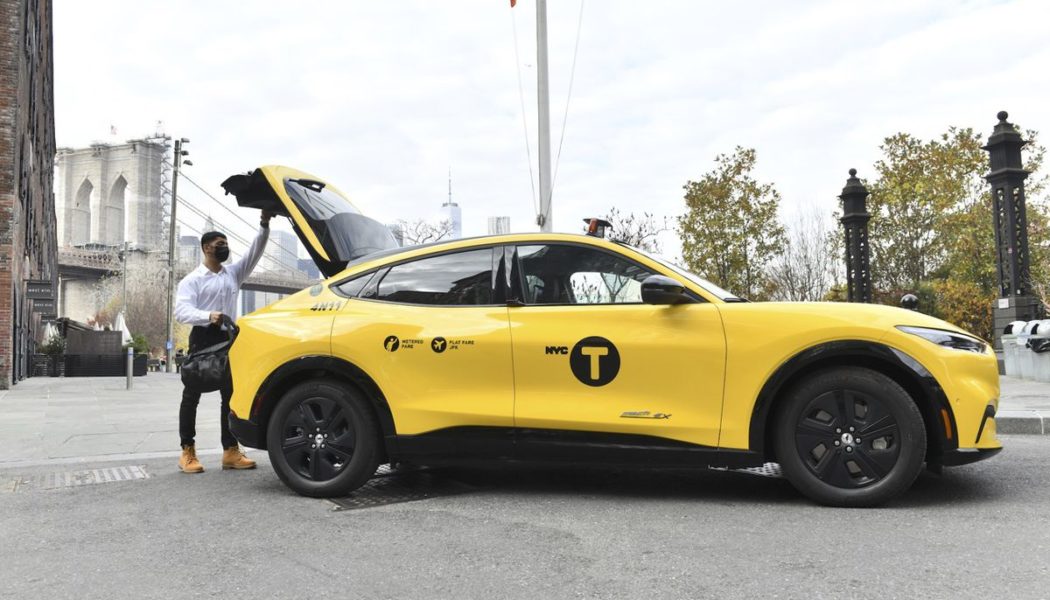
(1031,422)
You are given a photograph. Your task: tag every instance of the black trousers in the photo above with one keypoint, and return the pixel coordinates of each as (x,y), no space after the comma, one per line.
(202,337)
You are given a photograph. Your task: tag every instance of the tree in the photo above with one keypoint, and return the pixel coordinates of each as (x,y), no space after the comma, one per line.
(932,211)
(921,187)
(805,270)
(639,231)
(730,231)
(147,280)
(932,232)
(422,231)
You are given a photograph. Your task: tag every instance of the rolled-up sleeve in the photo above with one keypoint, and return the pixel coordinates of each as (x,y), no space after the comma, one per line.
(186,310)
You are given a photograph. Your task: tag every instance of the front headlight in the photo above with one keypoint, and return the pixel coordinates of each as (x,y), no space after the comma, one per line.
(949,339)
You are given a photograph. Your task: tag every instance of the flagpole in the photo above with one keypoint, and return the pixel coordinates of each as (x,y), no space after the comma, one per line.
(545,218)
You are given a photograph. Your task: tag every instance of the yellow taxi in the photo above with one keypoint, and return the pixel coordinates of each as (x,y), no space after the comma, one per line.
(572,348)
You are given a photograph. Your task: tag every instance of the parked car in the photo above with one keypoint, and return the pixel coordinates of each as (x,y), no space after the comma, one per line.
(573,348)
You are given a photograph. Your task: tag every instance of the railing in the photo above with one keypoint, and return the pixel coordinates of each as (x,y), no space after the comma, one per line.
(105,260)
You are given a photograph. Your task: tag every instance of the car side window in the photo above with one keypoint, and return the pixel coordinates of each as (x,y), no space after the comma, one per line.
(566,274)
(353,287)
(457,279)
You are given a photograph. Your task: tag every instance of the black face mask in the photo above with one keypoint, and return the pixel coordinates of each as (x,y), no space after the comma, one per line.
(222,253)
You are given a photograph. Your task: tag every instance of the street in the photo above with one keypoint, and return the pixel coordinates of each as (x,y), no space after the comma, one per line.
(524,532)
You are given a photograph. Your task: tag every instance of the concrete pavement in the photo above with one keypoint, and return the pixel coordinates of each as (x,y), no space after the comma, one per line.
(1024,406)
(82,418)
(58,419)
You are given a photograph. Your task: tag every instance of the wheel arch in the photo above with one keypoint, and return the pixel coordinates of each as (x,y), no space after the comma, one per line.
(909,373)
(300,369)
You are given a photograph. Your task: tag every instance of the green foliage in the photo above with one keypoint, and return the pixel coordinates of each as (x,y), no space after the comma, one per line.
(965,304)
(730,230)
(922,194)
(932,233)
(54,346)
(139,343)
(837,293)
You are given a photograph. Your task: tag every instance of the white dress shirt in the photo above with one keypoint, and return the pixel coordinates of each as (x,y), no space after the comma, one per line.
(202,292)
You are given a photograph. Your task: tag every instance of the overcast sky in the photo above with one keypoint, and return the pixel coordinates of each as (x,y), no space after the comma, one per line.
(382,98)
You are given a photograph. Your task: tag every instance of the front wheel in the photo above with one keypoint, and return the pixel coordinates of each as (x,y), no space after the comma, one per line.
(850,436)
(323,439)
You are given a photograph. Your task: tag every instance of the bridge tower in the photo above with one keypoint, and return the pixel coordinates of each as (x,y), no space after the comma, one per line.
(111,193)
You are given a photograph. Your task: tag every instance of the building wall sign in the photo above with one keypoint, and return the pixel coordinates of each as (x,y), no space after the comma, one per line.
(40,289)
(43,305)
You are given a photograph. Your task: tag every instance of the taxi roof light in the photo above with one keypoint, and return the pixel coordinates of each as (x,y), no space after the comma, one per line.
(596,227)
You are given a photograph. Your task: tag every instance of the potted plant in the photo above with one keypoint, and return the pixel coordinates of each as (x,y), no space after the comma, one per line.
(54,348)
(141,350)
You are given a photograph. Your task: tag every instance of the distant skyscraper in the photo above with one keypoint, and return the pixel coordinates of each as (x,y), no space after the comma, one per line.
(281,252)
(308,266)
(499,225)
(189,250)
(450,211)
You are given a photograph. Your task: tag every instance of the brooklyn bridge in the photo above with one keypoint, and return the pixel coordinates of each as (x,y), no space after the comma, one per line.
(76,264)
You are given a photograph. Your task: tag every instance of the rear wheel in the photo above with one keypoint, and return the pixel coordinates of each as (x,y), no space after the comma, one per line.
(850,437)
(323,439)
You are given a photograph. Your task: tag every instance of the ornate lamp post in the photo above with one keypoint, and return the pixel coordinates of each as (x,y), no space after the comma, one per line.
(1006,177)
(854,220)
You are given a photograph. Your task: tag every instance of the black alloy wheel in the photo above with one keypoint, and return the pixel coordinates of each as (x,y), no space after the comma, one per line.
(322,439)
(317,439)
(850,437)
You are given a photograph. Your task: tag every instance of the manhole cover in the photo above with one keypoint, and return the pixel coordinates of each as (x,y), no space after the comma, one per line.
(767,470)
(770,469)
(50,481)
(392,486)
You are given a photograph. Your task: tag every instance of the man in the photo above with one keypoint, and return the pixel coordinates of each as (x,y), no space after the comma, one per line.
(205,295)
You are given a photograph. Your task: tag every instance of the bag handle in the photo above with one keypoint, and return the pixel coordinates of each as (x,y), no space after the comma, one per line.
(231,327)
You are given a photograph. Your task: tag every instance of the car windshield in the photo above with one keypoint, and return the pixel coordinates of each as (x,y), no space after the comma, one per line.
(724,295)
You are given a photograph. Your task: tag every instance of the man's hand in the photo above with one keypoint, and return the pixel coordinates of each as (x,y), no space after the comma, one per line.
(215,317)
(265,219)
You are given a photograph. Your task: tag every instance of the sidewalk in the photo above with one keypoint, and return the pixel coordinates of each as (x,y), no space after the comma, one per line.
(1024,406)
(48,419)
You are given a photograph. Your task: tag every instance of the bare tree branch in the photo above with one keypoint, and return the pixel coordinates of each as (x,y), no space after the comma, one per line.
(420,231)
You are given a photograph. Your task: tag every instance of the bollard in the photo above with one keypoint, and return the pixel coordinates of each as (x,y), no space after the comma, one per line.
(131,357)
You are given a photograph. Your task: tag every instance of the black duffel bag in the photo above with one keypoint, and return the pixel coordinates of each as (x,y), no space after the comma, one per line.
(208,369)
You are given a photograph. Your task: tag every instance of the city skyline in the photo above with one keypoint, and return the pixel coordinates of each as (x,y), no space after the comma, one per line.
(815,88)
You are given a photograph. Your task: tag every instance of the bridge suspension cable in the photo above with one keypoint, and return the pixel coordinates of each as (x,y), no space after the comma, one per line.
(228,209)
(234,236)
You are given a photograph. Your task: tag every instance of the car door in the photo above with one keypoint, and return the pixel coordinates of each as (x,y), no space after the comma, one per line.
(589,356)
(434,337)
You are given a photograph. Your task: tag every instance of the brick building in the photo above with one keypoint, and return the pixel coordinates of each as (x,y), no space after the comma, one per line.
(28,243)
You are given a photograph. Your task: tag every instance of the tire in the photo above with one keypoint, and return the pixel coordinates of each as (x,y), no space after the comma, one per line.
(323,467)
(822,456)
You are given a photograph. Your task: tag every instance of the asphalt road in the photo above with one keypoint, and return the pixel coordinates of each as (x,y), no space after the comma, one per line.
(978,531)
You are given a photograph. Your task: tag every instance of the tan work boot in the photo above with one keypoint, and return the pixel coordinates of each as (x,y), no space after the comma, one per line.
(234,458)
(188,462)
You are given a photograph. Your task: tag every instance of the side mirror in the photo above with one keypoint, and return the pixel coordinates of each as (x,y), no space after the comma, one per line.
(657,289)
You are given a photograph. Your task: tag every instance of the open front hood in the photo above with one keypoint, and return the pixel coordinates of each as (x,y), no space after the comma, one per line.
(332,229)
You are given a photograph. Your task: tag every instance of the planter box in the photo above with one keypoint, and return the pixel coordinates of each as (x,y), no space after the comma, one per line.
(103,365)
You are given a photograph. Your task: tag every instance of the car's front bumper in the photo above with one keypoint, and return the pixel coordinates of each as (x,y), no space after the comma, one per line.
(247,432)
(965,456)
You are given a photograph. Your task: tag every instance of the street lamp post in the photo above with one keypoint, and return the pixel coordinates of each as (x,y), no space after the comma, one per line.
(170,344)
(124,276)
